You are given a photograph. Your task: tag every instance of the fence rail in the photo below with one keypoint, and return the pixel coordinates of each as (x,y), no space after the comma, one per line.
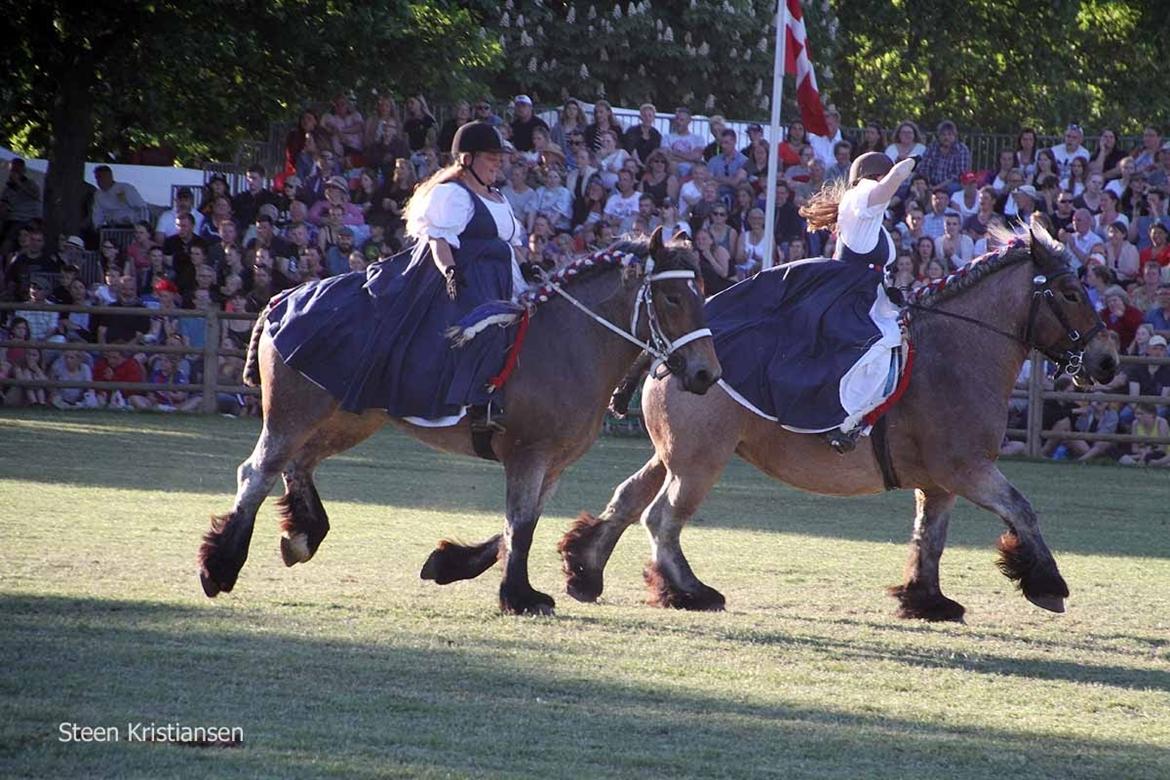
(1033,434)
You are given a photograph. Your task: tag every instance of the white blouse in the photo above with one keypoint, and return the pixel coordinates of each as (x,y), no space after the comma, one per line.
(859,224)
(450,211)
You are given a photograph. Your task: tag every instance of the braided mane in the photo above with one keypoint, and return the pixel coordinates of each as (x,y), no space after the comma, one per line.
(972,273)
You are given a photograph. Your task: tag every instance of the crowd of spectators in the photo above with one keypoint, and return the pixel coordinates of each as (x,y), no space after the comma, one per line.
(577,182)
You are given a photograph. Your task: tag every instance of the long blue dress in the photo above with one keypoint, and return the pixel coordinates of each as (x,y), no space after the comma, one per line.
(375,340)
(809,344)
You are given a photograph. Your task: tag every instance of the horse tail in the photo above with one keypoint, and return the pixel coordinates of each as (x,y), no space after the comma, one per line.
(252,361)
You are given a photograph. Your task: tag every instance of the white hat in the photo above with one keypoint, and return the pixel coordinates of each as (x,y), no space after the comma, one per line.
(1026,189)
(524,99)
(1156,341)
(75,241)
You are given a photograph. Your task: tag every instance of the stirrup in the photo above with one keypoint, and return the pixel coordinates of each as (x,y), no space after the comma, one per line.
(840,441)
(486,417)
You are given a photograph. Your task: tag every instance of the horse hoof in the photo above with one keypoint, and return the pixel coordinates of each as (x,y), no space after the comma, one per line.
(211,586)
(1050,603)
(295,549)
(936,608)
(532,603)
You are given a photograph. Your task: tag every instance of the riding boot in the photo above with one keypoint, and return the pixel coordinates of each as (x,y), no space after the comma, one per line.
(840,441)
(486,417)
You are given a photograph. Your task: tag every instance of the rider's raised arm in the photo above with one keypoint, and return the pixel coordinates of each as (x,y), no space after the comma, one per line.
(889,184)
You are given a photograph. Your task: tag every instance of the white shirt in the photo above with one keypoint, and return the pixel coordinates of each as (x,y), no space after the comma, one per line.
(450,210)
(166,222)
(859,225)
(823,147)
(1064,157)
(623,208)
(915,151)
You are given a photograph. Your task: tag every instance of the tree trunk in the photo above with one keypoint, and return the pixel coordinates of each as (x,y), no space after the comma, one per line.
(72,127)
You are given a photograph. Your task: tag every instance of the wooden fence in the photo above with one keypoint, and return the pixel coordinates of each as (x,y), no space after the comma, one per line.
(1036,395)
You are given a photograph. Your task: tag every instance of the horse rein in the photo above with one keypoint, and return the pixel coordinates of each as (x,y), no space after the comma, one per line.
(1072,361)
(659,346)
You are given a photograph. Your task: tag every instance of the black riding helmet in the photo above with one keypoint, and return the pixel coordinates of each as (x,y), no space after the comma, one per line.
(476,137)
(869,164)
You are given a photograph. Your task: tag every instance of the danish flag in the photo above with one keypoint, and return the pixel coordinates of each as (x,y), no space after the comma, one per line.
(797,62)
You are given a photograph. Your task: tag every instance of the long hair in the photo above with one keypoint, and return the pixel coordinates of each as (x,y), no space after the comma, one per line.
(417,205)
(821,209)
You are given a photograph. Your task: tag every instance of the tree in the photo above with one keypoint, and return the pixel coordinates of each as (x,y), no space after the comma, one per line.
(103,77)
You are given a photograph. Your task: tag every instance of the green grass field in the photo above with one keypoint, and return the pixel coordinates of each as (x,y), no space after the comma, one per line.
(350,666)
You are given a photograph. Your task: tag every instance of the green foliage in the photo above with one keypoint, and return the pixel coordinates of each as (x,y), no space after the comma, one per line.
(200,77)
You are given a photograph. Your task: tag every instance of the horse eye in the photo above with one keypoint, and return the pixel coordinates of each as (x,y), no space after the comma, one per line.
(1072,297)
(674,300)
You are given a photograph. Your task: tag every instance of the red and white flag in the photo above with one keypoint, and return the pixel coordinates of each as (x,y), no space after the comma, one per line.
(797,62)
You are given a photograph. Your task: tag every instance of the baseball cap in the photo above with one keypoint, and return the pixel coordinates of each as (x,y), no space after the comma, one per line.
(339,182)
(756,126)
(524,99)
(75,241)
(967,177)
(1157,341)
(166,285)
(1026,189)
(270,211)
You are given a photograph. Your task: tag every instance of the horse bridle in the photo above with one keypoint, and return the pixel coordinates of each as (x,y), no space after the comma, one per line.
(660,346)
(1072,360)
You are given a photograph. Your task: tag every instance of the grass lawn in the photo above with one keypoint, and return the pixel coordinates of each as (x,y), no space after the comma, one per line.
(350,666)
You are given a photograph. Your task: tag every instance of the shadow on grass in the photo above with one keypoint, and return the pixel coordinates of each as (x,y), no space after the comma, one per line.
(327,707)
(200,455)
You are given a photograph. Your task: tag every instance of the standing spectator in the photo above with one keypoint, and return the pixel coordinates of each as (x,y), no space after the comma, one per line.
(1146,156)
(946,159)
(168,221)
(20,203)
(823,145)
(683,147)
(795,141)
(417,122)
(115,202)
(32,263)
(907,142)
(484,113)
(344,126)
(603,122)
(447,131)
(524,122)
(1070,150)
(1107,159)
(246,205)
(1026,155)
(716,124)
(643,139)
(303,143)
(953,246)
(571,121)
(727,168)
(755,133)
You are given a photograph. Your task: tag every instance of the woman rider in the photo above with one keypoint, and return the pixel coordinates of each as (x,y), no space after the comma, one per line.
(376,340)
(809,344)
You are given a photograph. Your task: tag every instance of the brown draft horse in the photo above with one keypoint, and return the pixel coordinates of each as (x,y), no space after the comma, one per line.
(972,335)
(556,403)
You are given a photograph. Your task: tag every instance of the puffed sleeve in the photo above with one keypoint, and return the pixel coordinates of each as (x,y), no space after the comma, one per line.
(446,215)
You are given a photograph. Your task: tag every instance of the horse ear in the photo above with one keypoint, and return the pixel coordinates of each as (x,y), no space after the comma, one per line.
(682,235)
(1044,247)
(656,244)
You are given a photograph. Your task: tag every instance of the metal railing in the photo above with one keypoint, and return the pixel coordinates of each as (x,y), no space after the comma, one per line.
(210,352)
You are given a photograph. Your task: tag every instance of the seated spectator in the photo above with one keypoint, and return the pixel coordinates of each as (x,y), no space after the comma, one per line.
(1141,340)
(789,224)
(946,159)
(1146,156)
(823,144)
(1049,189)
(71,367)
(115,203)
(907,142)
(26,366)
(1108,215)
(221,211)
(1158,251)
(1159,176)
(1081,240)
(757,168)
(966,200)
(119,366)
(303,143)
(745,200)
(1076,179)
(1151,378)
(29,264)
(124,328)
(168,222)
(336,255)
(78,325)
(935,221)
(727,167)
(1007,164)
(524,123)
(922,252)
(643,139)
(589,209)
(1023,202)
(138,251)
(365,194)
(1144,296)
(954,247)
(570,121)
(1121,256)
(336,194)
(1147,423)
(975,226)
(749,251)
(1119,316)
(715,263)
(41,324)
(672,224)
(610,159)
(622,205)
(905,273)
(1071,149)
(313,184)
(344,126)
(553,201)
(1098,279)
(683,147)
(658,182)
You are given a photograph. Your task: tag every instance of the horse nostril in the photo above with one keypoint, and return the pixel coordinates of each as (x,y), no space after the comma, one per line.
(1109,364)
(703,376)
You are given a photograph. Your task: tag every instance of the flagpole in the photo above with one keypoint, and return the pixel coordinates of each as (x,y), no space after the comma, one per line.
(774,135)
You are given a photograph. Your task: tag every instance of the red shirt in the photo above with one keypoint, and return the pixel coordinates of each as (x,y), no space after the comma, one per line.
(128,370)
(1162,258)
(1125,326)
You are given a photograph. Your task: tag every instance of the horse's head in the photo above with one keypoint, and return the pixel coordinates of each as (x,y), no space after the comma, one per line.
(675,320)
(1063,323)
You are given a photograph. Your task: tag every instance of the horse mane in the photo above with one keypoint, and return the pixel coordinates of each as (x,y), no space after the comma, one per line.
(1014,250)
(625,253)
